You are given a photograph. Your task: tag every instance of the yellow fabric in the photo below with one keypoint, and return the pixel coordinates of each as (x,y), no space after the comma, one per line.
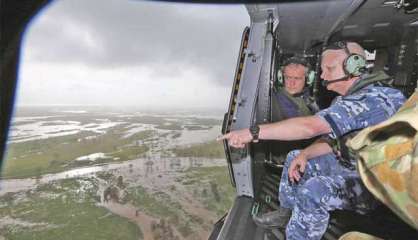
(358,236)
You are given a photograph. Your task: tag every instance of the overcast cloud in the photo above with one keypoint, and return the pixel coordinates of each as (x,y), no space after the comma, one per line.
(108,52)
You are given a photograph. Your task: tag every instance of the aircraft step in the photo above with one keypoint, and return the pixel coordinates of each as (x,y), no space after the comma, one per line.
(275,178)
(273,203)
(272,186)
(268,191)
(272,178)
(274,234)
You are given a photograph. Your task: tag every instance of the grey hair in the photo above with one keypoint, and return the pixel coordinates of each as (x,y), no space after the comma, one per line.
(354,47)
(297,64)
(351,47)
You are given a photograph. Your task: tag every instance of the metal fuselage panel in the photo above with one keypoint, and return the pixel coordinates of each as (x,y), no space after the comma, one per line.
(244,112)
(255,77)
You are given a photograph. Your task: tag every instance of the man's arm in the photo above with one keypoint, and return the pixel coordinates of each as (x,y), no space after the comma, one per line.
(294,129)
(317,148)
(287,130)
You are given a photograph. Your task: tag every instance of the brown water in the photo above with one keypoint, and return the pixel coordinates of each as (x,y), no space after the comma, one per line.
(141,170)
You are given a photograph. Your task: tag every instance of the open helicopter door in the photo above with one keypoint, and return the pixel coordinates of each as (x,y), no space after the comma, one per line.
(290,27)
(249,105)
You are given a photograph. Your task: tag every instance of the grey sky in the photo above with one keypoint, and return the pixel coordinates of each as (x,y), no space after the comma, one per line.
(107,52)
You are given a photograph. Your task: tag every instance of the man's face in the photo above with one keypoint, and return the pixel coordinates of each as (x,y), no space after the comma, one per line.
(294,78)
(332,68)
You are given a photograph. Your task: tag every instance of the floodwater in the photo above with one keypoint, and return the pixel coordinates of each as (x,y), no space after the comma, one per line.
(48,129)
(155,172)
(42,128)
(137,168)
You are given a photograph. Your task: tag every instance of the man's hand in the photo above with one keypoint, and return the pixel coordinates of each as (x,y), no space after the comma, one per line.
(237,139)
(297,167)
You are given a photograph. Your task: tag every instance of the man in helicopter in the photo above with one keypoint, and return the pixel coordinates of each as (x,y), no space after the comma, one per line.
(323,176)
(291,98)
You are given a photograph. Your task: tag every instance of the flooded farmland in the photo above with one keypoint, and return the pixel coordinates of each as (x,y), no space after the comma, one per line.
(110,175)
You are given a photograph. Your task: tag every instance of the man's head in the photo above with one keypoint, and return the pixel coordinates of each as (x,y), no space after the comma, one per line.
(294,73)
(333,66)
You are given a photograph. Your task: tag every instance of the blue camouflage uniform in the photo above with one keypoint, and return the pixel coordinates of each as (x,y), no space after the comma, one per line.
(327,184)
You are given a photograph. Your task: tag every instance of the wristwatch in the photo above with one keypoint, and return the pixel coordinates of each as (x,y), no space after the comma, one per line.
(255,130)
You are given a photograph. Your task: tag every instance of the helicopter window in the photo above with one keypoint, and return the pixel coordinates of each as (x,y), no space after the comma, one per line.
(119,104)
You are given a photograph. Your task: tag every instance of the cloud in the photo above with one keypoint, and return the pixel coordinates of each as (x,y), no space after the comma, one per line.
(166,37)
(76,84)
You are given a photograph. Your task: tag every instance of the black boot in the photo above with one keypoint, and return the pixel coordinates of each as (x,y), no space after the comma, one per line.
(275,219)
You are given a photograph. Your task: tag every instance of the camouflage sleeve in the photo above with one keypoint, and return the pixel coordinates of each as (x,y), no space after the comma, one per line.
(359,111)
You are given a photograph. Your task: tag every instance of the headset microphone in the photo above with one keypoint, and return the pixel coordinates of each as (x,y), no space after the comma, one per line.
(354,64)
(326,83)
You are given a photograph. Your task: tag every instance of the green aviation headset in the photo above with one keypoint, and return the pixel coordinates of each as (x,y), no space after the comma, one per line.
(309,74)
(354,64)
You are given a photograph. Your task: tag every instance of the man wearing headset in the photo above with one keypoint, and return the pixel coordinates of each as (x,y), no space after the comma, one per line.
(319,179)
(291,98)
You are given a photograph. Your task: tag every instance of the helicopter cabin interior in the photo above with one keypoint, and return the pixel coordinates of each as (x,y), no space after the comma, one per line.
(387,30)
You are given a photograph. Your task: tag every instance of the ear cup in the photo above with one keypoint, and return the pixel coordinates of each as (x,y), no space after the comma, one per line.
(354,65)
(280,77)
(310,77)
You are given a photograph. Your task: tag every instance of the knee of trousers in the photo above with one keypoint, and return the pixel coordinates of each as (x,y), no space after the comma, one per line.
(290,156)
(312,193)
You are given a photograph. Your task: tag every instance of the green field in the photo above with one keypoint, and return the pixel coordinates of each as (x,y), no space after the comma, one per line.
(211,186)
(212,149)
(161,205)
(63,210)
(55,154)
(35,157)
(68,209)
